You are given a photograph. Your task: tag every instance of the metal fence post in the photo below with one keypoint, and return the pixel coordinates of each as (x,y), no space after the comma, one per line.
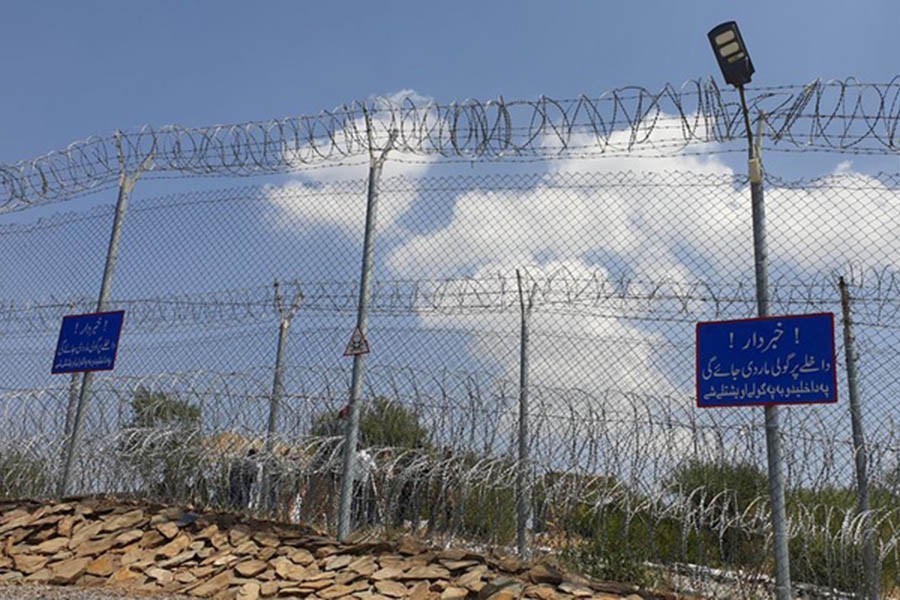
(285,316)
(126,185)
(72,402)
(523,479)
(860,453)
(71,406)
(773,436)
(351,432)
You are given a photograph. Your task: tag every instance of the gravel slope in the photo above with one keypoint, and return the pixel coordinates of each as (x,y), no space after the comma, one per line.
(51,592)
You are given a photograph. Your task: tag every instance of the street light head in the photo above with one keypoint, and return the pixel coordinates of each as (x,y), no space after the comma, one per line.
(731,53)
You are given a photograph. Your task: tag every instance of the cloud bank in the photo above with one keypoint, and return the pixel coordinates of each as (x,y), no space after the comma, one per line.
(682,218)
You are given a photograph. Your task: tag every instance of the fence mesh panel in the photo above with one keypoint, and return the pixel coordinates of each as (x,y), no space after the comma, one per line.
(627,476)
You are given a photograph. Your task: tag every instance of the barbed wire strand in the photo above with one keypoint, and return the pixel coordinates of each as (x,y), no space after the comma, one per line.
(841,116)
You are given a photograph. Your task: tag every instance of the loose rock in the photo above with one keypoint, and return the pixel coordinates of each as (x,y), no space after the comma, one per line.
(154,550)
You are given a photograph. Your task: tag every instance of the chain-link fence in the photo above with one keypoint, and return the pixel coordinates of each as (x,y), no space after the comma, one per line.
(609,265)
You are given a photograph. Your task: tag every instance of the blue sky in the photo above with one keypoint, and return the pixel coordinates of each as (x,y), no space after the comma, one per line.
(73,69)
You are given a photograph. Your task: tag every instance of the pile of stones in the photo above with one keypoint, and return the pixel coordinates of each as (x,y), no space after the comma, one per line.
(157,549)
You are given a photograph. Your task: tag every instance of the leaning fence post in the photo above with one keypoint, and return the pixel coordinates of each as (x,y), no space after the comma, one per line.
(376,163)
(126,185)
(285,316)
(860,453)
(523,479)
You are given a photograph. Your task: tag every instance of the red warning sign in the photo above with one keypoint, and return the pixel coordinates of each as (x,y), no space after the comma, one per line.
(358,344)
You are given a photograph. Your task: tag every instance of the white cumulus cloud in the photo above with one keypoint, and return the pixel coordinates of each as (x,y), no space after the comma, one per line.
(346,212)
(677,218)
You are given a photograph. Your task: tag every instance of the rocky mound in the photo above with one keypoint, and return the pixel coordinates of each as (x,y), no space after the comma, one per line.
(152,549)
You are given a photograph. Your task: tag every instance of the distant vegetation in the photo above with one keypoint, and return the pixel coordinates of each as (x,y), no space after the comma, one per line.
(23,474)
(709,513)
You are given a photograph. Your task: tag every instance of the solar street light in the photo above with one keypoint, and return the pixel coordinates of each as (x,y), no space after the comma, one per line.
(731,53)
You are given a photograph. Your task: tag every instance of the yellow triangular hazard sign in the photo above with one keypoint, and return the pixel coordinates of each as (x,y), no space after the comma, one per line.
(358,344)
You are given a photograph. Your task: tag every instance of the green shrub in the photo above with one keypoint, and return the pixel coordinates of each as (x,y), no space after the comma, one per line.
(618,551)
(721,494)
(557,512)
(488,513)
(383,423)
(162,446)
(23,474)
(829,550)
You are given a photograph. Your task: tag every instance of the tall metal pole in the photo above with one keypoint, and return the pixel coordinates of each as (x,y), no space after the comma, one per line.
(860,453)
(523,483)
(277,385)
(773,437)
(351,433)
(285,316)
(126,185)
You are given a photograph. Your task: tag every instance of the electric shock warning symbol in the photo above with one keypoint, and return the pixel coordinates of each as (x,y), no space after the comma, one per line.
(358,344)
